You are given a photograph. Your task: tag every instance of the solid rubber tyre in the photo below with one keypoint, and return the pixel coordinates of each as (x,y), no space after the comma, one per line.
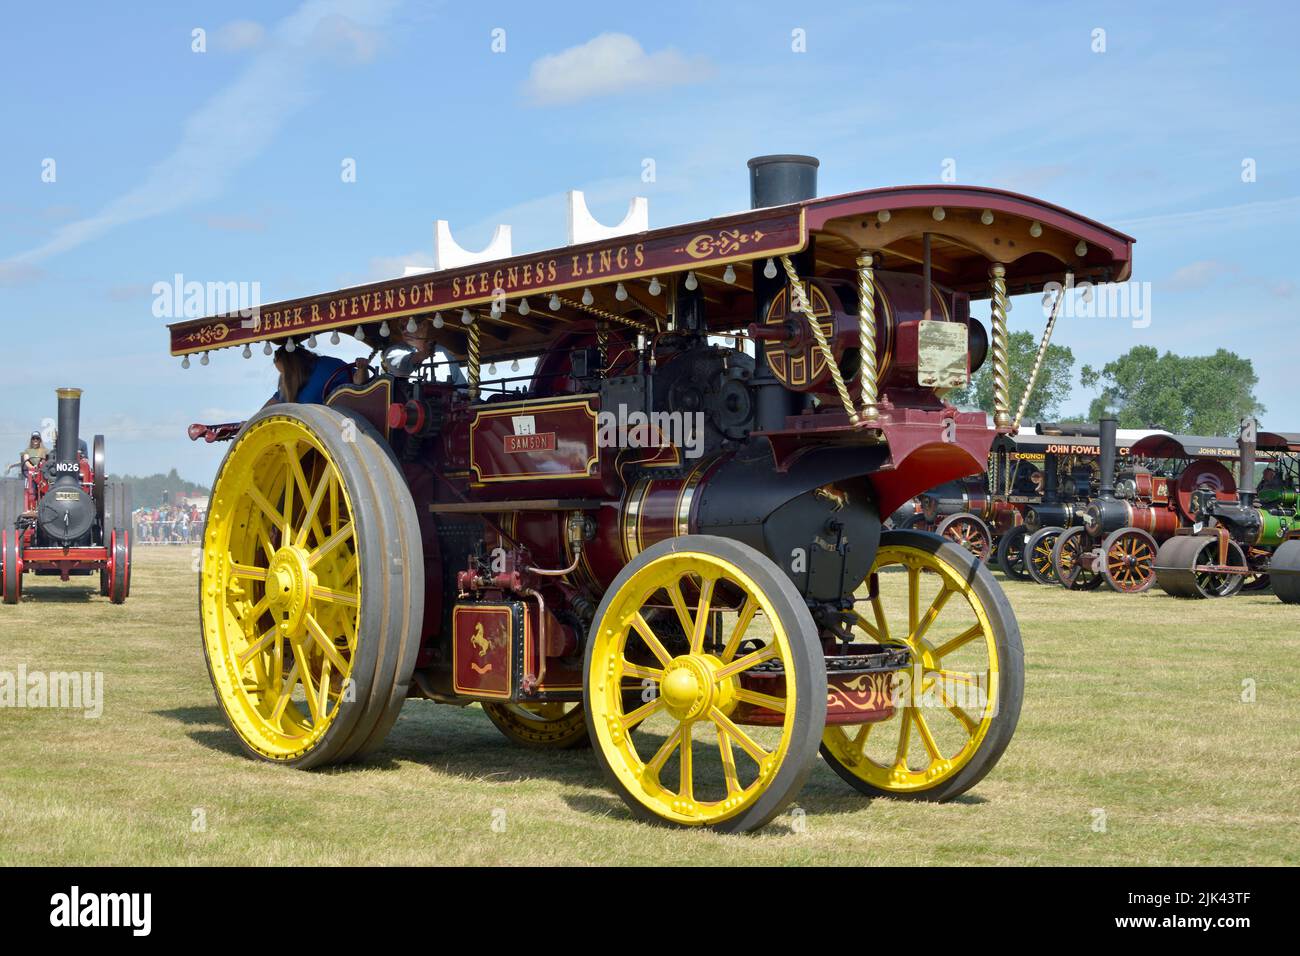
(801,732)
(10,567)
(1038,555)
(1011,553)
(983,588)
(119,567)
(389,572)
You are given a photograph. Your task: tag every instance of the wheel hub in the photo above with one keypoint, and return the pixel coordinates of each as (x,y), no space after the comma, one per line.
(288,585)
(690,687)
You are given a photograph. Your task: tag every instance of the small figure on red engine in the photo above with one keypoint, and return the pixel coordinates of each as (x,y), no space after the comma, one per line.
(32,455)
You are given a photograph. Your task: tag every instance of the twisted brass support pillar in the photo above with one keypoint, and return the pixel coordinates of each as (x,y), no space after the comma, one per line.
(1001,347)
(800,302)
(867,375)
(602,345)
(1038,359)
(472,365)
(608,316)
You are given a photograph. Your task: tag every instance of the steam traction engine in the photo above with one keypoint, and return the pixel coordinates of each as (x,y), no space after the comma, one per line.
(63,517)
(1237,539)
(988,516)
(665,538)
(1124,525)
(1075,460)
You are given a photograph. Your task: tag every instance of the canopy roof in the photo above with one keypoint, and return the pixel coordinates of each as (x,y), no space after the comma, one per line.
(1279,441)
(1028,443)
(970,227)
(1199,446)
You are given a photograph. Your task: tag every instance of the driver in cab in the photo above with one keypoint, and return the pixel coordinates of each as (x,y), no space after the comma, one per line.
(308,378)
(32,456)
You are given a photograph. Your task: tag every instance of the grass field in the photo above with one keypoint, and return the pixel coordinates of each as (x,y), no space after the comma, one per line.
(1133,716)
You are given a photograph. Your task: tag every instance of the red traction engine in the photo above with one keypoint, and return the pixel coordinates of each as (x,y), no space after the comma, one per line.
(663,536)
(966,513)
(1125,524)
(63,518)
(988,515)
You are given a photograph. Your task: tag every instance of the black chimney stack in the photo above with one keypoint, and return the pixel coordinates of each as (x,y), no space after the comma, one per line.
(781,179)
(1106,433)
(775,181)
(1246,443)
(65,446)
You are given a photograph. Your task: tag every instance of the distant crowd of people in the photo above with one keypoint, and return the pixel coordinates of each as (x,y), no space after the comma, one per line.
(170,524)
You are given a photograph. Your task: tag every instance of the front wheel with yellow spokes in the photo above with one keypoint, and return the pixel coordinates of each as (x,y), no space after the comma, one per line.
(956,707)
(311,587)
(706,649)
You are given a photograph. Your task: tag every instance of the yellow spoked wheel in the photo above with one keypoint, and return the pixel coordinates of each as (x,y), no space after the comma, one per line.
(958,705)
(728,697)
(312,586)
(551,726)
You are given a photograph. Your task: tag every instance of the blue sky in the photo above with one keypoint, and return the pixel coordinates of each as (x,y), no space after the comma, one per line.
(225,165)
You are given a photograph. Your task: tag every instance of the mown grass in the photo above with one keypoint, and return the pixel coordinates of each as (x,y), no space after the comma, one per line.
(1133,709)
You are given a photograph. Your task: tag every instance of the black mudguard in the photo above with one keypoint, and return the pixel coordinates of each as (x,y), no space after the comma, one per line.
(818,520)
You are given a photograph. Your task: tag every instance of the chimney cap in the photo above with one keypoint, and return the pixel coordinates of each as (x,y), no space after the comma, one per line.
(783,158)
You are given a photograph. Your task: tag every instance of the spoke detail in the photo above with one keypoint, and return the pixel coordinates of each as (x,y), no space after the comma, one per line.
(329,544)
(326,645)
(749,660)
(965,637)
(348,598)
(743,619)
(651,639)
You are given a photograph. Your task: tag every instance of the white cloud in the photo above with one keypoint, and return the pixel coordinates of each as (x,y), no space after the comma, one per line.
(1197,275)
(238,35)
(236,125)
(392,267)
(608,63)
(1250,214)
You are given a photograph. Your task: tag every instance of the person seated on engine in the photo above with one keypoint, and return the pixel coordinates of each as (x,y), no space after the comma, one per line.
(31,456)
(1270,480)
(427,349)
(308,378)
(1028,481)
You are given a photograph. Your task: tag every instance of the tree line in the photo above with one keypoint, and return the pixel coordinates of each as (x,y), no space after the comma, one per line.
(147,490)
(1143,388)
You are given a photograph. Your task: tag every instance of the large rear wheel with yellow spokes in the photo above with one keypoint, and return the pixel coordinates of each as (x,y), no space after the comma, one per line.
(706,649)
(311,589)
(957,706)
